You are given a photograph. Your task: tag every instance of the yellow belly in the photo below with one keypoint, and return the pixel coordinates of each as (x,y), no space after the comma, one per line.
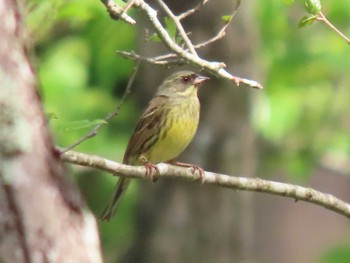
(177,137)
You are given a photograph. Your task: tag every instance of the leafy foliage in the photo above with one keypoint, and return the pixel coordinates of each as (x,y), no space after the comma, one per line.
(303,113)
(312,6)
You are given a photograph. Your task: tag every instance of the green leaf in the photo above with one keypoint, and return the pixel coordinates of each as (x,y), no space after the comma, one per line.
(307,20)
(170,27)
(313,6)
(81,124)
(226,18)
(154,37)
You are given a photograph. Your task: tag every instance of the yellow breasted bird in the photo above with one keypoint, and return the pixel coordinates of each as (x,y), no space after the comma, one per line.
(164,130)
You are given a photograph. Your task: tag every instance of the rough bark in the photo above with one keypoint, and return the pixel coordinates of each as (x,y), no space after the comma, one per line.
(42,217)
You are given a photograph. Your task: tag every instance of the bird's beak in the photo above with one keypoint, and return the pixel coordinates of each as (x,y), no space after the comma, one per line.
(199,80)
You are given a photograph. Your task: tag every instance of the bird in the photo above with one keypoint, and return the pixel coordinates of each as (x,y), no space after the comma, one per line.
(163,131)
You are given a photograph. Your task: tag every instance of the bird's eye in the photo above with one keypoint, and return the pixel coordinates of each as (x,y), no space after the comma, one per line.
(186,78)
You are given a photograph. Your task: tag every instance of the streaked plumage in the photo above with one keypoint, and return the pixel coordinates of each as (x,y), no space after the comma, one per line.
(165,128)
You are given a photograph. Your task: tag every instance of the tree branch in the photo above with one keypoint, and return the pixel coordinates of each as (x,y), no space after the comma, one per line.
(193,10)
(163,60)
(218,36)
(238,183)
(179,26)
(215,68)
(222,32)
(116,12)
(189,55)
(322,18)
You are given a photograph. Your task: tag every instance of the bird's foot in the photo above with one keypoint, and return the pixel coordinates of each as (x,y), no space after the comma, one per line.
(194,168)
(151,170)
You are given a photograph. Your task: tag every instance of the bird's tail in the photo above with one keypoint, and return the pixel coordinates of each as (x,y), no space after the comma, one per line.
(112,206)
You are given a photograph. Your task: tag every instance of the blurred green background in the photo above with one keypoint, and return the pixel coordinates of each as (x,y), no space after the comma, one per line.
(301,118)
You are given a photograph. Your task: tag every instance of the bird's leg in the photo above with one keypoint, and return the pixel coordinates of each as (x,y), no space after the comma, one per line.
(194,168)
(151,169)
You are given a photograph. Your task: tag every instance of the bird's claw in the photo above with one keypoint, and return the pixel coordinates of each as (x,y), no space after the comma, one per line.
(197,169)
(194,168)
(151,170)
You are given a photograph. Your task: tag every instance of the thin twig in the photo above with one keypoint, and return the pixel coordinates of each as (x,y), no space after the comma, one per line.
(222,32)
(128,5)
(179,27)
(166,56)
(321,17)
(217,37)
(152,60)
(116,12)
(215,68)
(193,10)
(227,181)
(111,115)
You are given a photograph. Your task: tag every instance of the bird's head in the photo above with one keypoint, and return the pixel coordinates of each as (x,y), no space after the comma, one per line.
(181,84)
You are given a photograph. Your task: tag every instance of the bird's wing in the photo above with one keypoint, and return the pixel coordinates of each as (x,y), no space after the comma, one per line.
(147,126)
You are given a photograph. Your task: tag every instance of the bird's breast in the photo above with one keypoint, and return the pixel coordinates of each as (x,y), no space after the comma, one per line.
(179,128)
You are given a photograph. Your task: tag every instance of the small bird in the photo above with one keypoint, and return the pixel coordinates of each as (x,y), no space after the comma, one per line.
(164,130)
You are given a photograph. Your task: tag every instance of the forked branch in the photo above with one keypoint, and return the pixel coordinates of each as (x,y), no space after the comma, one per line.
(188,53)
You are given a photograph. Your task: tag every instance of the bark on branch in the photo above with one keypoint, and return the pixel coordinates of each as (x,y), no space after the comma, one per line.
(189,54)
(234,182)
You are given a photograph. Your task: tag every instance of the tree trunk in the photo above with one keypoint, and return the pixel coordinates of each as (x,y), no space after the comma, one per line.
(42,217)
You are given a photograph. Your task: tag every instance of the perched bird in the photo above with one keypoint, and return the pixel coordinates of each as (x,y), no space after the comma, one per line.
(164,130)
